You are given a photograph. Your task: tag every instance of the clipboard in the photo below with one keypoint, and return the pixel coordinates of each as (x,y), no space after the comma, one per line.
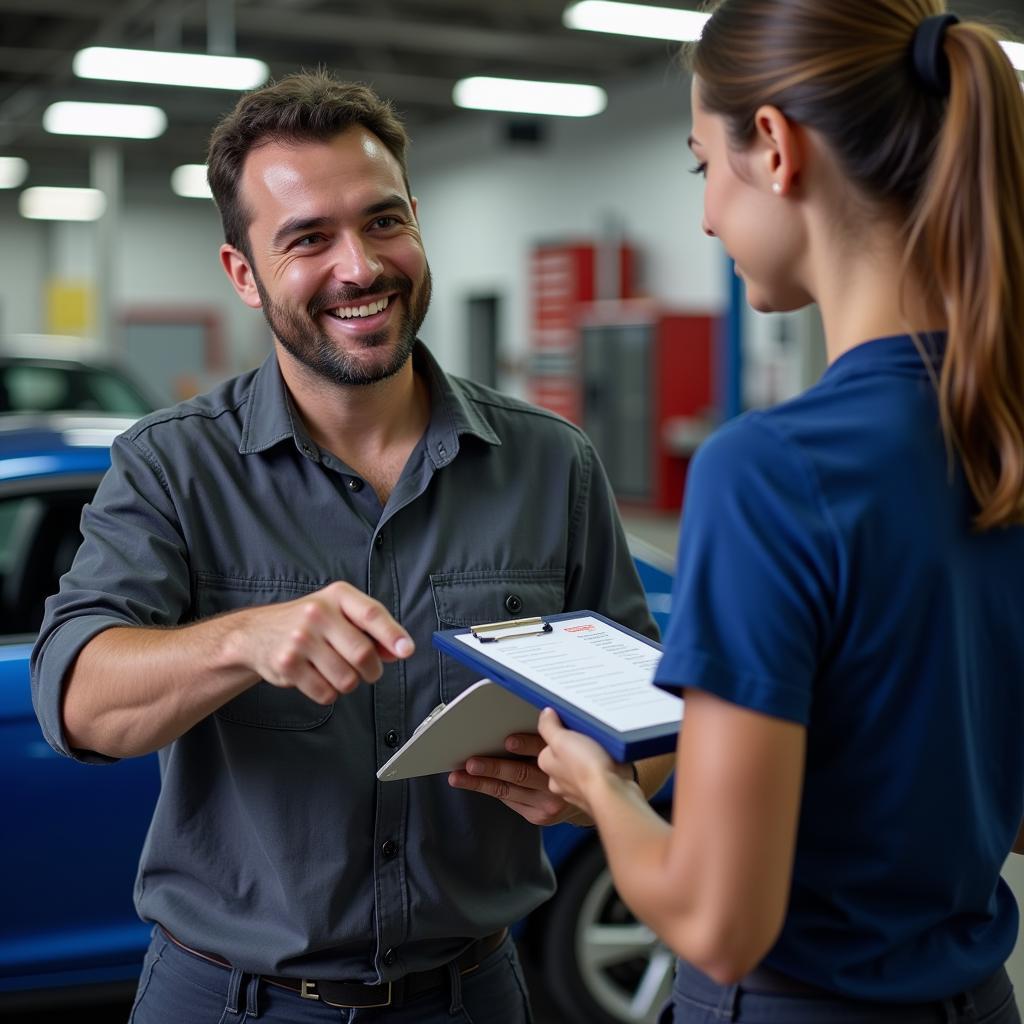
(638,720)
(477,721)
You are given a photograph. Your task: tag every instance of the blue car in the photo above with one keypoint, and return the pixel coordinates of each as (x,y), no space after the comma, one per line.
(72,833)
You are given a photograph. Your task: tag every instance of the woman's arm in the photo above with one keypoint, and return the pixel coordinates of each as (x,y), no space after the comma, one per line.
(715,884)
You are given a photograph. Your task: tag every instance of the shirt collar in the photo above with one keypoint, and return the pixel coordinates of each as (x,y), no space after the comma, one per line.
(270,417)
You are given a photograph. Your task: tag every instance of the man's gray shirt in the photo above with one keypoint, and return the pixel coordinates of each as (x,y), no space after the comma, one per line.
(272,843)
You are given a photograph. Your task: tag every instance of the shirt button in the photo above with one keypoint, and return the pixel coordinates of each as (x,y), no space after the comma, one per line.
(514,603)
(389,848)
(355,484)
(388,958)
(391,738)
(378,541)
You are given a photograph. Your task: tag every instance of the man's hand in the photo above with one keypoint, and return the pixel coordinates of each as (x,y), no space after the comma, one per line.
(324,644)
(518,784)
(521,784)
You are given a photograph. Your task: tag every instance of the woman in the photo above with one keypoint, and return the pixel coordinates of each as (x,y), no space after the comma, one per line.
(848,616)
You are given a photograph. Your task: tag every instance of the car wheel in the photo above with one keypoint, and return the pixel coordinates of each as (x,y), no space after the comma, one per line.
(601,965)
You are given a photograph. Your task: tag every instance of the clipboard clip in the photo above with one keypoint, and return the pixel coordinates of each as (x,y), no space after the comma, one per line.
(513,629)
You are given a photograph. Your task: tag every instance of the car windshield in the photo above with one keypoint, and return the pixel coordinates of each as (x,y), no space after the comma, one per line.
(38,387)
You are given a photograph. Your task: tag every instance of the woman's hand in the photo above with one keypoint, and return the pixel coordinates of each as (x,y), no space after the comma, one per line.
(574,763)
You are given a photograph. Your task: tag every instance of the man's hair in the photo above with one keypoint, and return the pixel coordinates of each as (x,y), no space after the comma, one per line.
(312,106)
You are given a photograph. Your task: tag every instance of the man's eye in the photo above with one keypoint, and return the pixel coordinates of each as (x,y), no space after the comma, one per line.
(308,240)
(384,223)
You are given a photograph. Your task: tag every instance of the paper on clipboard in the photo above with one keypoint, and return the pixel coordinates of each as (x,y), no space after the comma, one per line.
(593,665)
(596,674)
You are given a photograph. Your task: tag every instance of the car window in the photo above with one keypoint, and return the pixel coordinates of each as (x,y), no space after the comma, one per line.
(115,395)
(39,536)
(38,388)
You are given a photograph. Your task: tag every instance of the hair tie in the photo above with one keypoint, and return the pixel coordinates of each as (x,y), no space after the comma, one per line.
(931,65)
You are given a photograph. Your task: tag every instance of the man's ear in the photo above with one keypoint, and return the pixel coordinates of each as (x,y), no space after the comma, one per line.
(781,154)
(241,276)
(415,207)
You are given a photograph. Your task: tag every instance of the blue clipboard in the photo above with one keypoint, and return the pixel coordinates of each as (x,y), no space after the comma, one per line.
(629,745)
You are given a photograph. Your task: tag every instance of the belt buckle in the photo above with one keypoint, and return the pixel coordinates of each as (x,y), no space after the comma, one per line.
(372,1006)
(307,991)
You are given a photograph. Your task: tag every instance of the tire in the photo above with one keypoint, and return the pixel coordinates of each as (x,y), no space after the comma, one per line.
(600,965)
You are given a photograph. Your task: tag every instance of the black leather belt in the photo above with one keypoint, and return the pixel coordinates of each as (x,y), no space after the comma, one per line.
(350,994)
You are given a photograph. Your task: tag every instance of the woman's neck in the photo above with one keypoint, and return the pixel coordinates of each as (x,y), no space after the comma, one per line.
(864,292)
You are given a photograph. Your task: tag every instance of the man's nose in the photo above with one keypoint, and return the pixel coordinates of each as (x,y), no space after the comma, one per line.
(356,262)
(706,228)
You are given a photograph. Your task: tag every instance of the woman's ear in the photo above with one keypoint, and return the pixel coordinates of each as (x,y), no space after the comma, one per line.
(781,157)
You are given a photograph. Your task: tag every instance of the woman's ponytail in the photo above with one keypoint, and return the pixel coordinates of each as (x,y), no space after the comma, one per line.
(966,242)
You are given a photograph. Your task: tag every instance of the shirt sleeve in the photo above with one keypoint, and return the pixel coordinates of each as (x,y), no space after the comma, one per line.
(131,570)
(754,590)
(600,574)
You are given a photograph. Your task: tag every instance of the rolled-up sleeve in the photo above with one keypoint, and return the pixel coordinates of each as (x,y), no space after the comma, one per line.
(131,570)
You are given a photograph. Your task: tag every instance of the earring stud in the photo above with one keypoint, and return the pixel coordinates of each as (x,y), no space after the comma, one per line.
(777,187)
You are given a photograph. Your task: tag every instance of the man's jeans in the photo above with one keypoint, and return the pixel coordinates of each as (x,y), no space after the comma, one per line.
(179,988)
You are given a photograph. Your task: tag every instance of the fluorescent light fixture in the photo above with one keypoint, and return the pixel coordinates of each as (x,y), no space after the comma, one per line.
(189,180)
(554,98)
(664,23)
(1015,51)
(635,20)
(156,67)
(41,203)
(13,171)
(113,120)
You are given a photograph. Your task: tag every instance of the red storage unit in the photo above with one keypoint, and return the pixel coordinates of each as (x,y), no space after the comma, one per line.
(648,395)
(564,278)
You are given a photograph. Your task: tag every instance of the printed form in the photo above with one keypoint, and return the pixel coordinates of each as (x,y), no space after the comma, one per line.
(594,666)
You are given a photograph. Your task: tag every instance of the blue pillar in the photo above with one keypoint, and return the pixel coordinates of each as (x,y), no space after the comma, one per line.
(731,346)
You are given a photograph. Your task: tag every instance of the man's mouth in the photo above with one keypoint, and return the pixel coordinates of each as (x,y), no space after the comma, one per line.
(357,311)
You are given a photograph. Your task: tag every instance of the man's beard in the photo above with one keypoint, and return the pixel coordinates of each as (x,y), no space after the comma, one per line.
(312,346)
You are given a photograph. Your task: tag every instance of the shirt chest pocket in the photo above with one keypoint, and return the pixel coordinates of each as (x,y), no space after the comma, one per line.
(262,705)
(463,599)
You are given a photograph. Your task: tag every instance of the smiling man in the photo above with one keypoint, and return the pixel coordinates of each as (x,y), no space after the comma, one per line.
(260,554)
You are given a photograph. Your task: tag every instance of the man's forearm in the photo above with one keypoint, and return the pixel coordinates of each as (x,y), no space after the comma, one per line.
(133,690)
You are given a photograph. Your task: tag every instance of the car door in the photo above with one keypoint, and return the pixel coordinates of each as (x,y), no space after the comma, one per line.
(71,832)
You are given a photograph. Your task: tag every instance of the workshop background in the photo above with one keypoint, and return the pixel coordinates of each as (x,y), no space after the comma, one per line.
(568,263)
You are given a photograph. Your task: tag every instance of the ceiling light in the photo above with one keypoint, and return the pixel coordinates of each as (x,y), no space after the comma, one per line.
(41,203)
(115,120)
(555,98)
(635,20)
(189,180)
(13,171)
(664,23)
(155,67)
(1015,51)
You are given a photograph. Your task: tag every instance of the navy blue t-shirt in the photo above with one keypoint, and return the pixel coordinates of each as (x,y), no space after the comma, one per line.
(829,575)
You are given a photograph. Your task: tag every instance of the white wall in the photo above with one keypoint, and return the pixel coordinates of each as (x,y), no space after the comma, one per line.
(484,204)
(23,262)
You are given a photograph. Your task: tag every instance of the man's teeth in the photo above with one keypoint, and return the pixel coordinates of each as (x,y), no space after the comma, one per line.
(348,312)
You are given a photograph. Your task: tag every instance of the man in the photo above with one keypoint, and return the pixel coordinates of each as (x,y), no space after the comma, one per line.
(246,565)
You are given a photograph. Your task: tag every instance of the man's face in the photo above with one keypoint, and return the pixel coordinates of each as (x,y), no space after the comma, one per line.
(337,260)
